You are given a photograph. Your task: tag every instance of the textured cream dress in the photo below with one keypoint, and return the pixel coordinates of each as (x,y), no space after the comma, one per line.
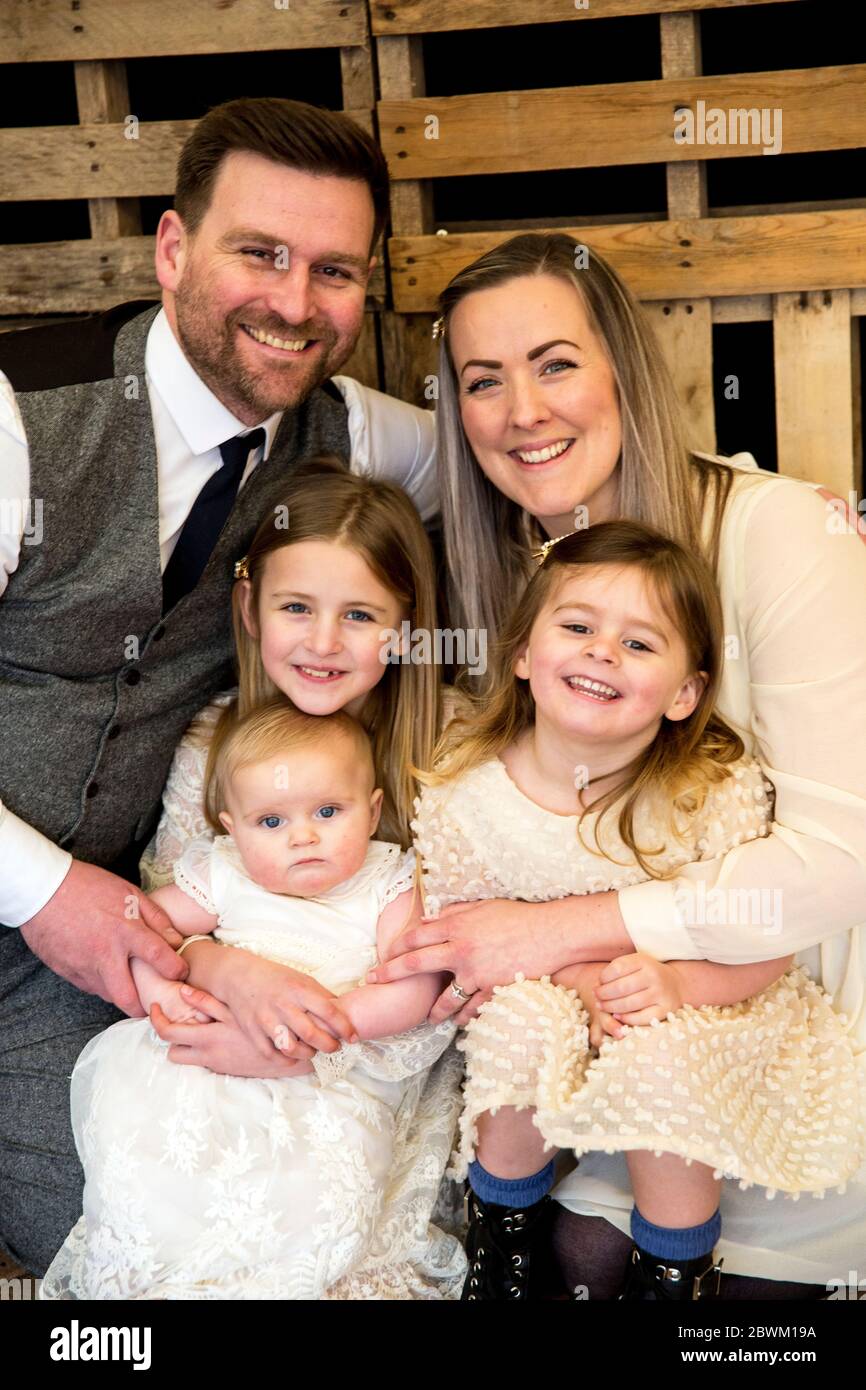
(765,1091)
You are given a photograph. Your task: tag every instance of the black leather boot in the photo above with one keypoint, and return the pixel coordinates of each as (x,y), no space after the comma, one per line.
(510,1252)
(650,1279)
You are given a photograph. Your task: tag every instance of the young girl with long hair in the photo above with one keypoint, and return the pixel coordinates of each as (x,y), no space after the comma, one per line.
(597,760)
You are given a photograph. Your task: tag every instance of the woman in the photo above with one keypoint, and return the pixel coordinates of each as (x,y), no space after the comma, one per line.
(556,412)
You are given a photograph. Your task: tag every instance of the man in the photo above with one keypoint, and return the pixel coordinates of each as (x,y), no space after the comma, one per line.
(144,446)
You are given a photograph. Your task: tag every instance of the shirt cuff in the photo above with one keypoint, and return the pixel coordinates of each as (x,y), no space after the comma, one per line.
(652,920)
(32,869)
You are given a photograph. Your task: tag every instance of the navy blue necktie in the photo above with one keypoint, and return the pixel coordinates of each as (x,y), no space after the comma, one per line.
(206,520)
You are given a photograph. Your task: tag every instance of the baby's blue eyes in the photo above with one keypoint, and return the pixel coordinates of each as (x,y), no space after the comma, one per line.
(274,822)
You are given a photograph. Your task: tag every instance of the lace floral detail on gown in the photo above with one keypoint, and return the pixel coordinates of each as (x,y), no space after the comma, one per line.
(765,1091)
(202,1186)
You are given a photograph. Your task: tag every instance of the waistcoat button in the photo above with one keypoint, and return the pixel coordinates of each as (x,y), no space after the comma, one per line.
(132,677)
(93,789)
(113,731)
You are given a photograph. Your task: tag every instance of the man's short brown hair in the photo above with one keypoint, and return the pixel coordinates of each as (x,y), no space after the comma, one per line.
(303,137)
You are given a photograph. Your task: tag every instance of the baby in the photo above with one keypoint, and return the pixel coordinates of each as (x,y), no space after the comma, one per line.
(200,1185)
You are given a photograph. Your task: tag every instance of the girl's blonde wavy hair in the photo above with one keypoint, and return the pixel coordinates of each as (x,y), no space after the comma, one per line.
(375,518)
(686,756)
(662,482)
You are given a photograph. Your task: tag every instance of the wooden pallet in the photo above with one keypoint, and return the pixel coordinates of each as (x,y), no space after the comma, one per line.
(802,267)
(93,160)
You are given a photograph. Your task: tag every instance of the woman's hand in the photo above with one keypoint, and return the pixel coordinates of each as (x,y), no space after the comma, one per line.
(637,989)
(490,943)
(280,1008)
(222,1046)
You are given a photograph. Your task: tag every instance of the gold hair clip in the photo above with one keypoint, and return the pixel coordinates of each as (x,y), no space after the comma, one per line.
(242,569)
(439,328)
(542,554)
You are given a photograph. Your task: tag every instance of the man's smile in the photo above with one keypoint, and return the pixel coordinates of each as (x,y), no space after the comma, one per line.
(283,346)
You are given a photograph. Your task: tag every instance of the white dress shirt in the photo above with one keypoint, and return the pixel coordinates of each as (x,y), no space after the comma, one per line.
(388,439)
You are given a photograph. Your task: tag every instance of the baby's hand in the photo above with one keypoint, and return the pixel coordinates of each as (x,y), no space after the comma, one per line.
(584,979)
(154,988)
(636,989)
(175,1007)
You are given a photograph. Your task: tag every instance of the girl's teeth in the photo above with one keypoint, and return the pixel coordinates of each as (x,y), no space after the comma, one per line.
(283,343)
(318,675)
(596,688)
(542,455)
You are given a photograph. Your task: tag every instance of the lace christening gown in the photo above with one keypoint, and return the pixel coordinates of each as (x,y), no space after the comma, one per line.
(765,1091)
(204,1186)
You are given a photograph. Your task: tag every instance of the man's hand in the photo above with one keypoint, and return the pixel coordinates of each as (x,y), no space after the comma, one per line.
(222,1046)
(90,928)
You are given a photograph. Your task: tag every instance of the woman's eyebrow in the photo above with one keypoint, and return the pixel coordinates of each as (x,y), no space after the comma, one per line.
(537,351)
(530,356)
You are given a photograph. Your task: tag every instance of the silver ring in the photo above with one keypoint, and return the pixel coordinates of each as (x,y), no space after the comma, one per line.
(459,993)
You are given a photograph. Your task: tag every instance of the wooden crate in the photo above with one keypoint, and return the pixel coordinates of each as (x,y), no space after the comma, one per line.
(801,266)
(93,160)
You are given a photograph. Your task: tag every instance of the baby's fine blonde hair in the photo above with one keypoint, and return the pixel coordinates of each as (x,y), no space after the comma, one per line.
(269,731)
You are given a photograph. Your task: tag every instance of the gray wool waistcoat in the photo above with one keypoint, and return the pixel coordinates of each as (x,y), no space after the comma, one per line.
(96,686)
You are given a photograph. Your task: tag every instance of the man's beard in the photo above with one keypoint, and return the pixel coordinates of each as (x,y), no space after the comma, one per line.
(212,349)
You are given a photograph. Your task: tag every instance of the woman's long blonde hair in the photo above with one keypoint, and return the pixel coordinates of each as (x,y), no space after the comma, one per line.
(686,756)
(324,502)
(662,482)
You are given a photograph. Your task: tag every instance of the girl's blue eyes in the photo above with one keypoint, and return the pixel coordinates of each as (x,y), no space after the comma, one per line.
(356,614)
(633,642)
(327,812)
(480,381)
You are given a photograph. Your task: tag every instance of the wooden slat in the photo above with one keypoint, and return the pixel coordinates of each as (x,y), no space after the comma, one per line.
(817,389)
(616,123)
(102,92)
(363,365)
(407,352)
(680,259)
(56,30)
(96,160)
(433,16)
(750,308)
(73,276)
(685,329)
(68,277)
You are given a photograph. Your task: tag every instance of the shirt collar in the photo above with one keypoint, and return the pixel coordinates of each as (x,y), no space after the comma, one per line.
(202,419)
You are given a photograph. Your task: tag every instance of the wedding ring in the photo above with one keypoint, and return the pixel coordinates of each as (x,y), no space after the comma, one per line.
(459,993)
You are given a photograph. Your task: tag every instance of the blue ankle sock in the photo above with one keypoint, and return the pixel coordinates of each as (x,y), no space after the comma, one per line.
(510,1192)
(673,1243)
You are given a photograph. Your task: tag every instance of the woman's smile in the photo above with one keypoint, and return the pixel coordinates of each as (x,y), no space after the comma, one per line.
(537,455)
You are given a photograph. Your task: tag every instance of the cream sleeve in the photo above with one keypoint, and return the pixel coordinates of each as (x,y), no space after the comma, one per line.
(801,606)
